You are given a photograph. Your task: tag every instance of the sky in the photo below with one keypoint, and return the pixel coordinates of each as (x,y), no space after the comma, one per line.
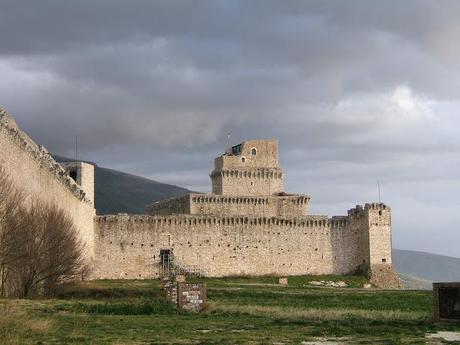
(355,91)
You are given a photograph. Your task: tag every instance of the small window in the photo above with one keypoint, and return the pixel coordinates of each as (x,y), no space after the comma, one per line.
(73,174)
(236,150)
(253,151)
(243,159)
(384,260)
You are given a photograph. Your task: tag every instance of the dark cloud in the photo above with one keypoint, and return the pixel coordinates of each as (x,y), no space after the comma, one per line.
(356,91)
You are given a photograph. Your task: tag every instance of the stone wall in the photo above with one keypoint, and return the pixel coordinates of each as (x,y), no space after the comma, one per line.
(256,181)
(34,171)
(266,155)
(175,205)
(213,204)
(250,169)
(266,206)
(379,217)
(129,246)
(359,224)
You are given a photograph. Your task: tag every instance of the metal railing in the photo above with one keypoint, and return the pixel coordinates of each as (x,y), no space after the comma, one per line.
(169,267)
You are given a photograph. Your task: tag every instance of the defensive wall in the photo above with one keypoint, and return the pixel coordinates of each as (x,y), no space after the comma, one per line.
(33,170)
(129,246)
(283,205)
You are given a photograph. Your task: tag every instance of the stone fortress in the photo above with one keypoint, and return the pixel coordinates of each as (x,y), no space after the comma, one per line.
(248,225)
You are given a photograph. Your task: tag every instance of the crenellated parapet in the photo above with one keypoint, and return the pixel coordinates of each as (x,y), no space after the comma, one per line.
(210,220)
(283,205)
(259,173)
(10,130)
(360,210)
(253,200)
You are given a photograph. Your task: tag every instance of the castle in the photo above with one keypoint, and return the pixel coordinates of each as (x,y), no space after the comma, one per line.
(248,225)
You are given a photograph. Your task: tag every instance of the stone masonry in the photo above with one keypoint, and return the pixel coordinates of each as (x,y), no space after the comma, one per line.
(33,170)
(248,225)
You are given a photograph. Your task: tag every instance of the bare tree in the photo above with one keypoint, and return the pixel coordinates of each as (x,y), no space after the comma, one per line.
(39,245)
(11,200)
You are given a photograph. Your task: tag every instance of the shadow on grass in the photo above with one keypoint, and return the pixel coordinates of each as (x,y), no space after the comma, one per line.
(120,308)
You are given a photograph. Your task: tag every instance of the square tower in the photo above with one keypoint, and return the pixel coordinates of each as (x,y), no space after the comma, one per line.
(83,174)
(250,168)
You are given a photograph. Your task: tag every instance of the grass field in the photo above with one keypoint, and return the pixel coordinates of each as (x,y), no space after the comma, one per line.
(241,311)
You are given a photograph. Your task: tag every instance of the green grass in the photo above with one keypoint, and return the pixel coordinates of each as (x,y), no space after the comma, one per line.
(242,310)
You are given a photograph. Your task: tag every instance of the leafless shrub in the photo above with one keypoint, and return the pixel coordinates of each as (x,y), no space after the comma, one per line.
(11,210)
(39,246)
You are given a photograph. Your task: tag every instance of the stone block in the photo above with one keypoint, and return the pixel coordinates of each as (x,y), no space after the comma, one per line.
(283,281)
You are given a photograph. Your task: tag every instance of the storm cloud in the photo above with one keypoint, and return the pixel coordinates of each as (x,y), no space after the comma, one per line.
(355,91)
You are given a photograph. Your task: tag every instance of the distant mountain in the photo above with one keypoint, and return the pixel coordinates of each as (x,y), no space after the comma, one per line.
(119,192)
(422,268)
(414,283)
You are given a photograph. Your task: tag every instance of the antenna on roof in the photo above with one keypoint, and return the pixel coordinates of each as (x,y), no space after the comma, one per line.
(76,150)
(378,186)
(227,144)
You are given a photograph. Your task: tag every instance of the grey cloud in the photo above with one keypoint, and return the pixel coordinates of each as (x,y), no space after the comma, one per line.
(356,92)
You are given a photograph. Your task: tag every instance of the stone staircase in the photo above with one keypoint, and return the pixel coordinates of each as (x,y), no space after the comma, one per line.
(171,268)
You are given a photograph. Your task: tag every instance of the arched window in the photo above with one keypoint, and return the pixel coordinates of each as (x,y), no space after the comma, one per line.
(253,151)
(243,159)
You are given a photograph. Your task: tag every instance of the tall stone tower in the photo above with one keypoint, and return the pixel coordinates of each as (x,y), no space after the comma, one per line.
(372,225)
(83,174)
(250,168)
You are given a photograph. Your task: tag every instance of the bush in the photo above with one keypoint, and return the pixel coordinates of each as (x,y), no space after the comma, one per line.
(39,246)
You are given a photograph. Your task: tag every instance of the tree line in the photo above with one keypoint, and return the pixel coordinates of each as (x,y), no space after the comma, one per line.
(39,246)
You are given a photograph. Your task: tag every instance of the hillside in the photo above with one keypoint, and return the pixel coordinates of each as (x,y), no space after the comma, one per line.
(426,266)
(415,283)
(119,192)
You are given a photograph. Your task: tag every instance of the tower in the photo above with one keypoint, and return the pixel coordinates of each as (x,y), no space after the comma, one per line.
(83,174)
(250,169)
(373,226)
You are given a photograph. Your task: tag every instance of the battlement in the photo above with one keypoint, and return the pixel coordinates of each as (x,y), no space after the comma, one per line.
(376,206)
(38,153)
(359,210)
(269,206)
(211,220)
(243,172)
